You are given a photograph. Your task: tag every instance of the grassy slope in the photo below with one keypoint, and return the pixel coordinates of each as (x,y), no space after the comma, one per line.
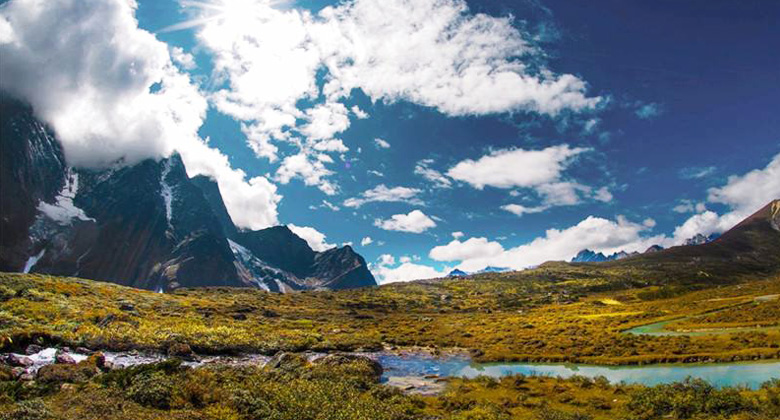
(535,316)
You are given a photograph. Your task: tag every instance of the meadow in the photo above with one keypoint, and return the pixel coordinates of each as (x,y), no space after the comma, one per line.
(495,318)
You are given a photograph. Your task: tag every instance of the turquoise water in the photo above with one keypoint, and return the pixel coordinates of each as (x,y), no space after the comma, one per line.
(750,374)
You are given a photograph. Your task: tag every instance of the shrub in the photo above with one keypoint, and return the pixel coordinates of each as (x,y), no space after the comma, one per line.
(152,389)
(28,410)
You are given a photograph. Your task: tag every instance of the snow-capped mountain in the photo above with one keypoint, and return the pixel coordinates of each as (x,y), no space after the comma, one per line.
(148,225)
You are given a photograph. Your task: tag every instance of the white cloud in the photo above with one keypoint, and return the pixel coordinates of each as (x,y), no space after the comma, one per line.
(329,205)
(385,273)
(649,111)
(697,172)
(376,173)
(366,241)
(437,178)
(520,210)
(359,113)
(313,172)
(184,59)
(457,235)
(557,244)
(386,259)
(105,108)
(382,193)
(313,237)
(461,64)
(515,167)
(743,194)
(603,194)
(749,192)
(469,249)
(381,144)
(325,120)
(414,222)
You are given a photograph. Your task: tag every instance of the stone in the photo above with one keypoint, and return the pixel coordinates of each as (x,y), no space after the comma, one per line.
(64,358)
(33,349)
(181,350)
(286,361)
(21,361)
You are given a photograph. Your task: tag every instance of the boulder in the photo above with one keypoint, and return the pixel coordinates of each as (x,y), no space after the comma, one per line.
(33,349)
(64,358)
(287,361)
(373,367)
(181,350)
(21,361)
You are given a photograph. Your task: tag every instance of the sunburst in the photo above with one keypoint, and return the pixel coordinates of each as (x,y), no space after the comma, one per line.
(235,12)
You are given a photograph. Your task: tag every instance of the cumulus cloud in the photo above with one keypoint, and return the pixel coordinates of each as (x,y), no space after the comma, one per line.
(461,64)
(366,241)
(387,271)
(511,168)
(311,170)
(520,210)
(313,237)
(116,102)
(469,249)
(539,171)
(414,222)
(381,144)
(743,194)
(381,193)
(438,179)
(556,244)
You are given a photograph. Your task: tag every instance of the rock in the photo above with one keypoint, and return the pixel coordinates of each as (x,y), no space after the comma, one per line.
(21,361)
(33,349)
(83,350)
(239,317)
(287,361)
(181,350)
(27,377)
(127,307)
(64,358)
(373,367)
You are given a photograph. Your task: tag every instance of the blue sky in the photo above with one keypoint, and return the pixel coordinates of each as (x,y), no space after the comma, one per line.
(667,121)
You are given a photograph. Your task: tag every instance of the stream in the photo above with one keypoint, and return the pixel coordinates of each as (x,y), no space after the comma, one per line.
(421,372)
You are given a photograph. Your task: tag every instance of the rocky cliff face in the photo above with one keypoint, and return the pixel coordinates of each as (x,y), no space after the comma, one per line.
(148,226)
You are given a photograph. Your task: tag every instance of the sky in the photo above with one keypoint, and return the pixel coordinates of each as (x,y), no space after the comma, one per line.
(428,134)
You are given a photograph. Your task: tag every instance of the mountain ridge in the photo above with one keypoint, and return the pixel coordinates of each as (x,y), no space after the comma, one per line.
(148,226)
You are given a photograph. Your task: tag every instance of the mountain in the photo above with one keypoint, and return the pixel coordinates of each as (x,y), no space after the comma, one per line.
(148,225)
(752,248)
(700,239)
(457,273)
(653,248)
(490,269)
(587,255)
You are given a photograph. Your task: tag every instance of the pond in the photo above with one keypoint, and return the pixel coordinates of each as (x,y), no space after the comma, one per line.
(750,374)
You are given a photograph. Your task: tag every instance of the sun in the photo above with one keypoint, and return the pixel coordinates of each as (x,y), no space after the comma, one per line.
(236,13)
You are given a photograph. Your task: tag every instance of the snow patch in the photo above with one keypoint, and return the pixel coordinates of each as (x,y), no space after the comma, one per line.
(32,261)
(63,211)
(166,191)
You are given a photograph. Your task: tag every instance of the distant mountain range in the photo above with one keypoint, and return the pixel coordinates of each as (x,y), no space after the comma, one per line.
(489,269)
(148,226)
(587,255)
